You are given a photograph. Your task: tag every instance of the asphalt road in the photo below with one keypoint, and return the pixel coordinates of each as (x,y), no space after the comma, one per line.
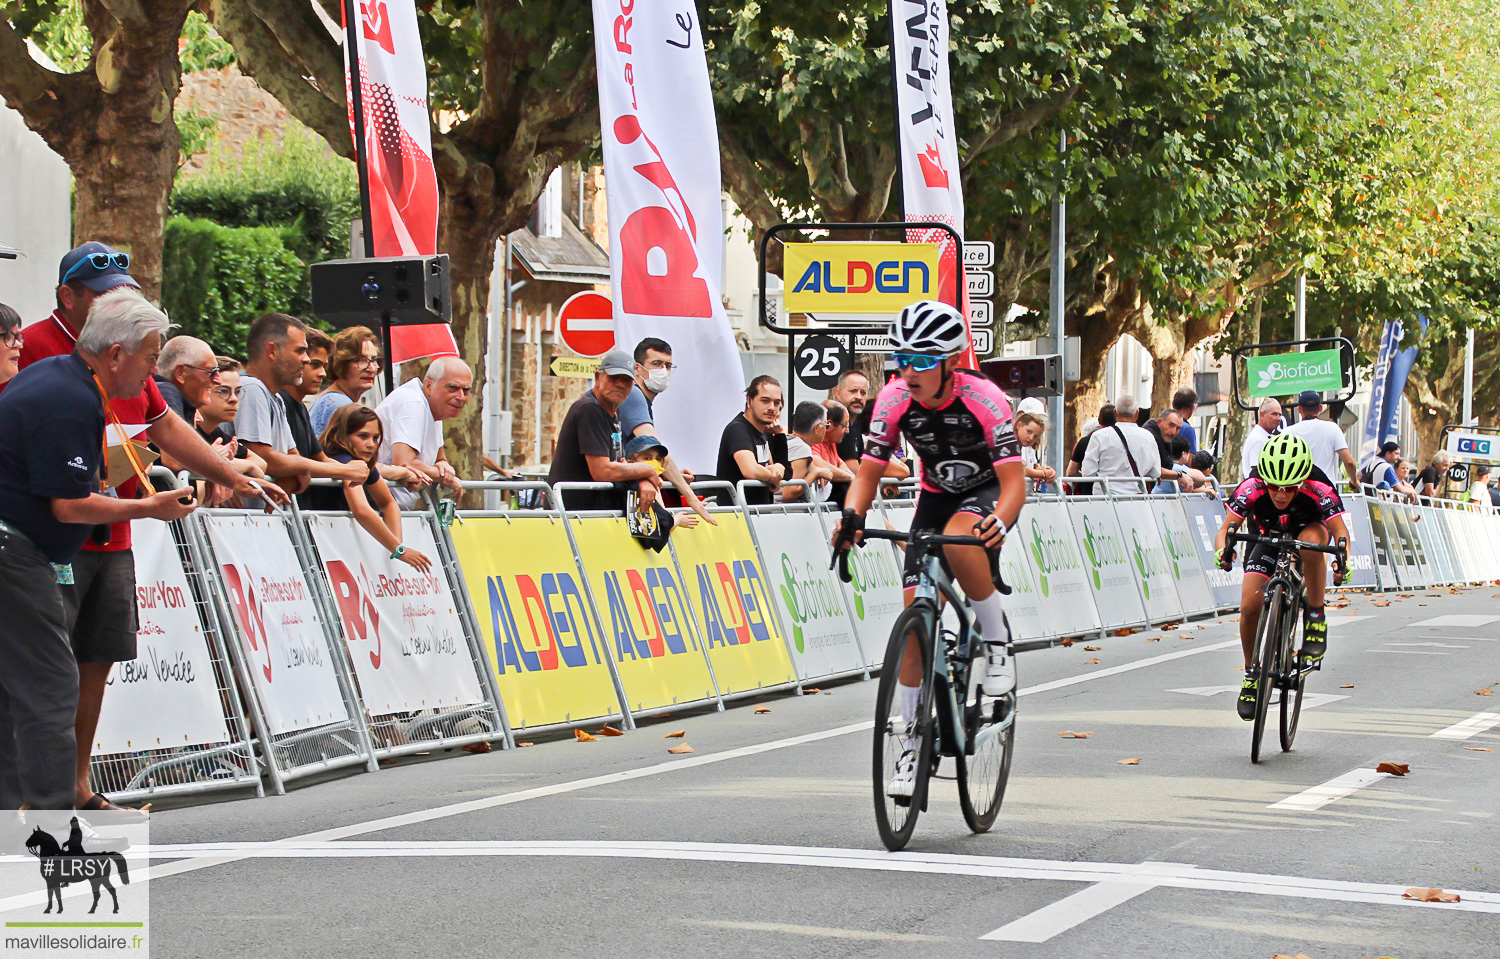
(762,842)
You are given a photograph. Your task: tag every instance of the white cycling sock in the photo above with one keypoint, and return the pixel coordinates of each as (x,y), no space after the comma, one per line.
(991,613)
(909,696)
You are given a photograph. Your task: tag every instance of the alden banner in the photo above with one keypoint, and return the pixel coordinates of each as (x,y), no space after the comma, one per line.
(666,225)
(926,140)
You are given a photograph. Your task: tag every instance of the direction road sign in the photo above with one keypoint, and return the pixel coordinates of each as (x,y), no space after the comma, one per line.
(586,324)
(574,367)
(979,253)
(980,282)
(981,314)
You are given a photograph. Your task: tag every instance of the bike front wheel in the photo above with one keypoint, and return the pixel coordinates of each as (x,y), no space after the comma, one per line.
(1291,694)
(895,733)
(1267,665)
(990,724)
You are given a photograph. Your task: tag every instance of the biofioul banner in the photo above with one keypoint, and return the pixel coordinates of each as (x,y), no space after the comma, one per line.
(807,595)
(1061,577)
(168,695)
(401,626)
(1111,576)
(1148,553)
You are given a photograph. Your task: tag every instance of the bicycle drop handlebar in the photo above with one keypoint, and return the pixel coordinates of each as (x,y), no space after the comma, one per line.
(924,540)
(1286,542)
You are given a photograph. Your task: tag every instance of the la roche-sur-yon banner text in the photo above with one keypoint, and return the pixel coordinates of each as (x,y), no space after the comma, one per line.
(666,227)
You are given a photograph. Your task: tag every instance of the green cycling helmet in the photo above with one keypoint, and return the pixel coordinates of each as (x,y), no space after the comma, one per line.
(1285,460)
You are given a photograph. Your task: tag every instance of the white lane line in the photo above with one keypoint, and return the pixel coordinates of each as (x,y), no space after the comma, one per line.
(1345,620)
(1116,670)
(1461,620)
(1472,726)
(1432,645)
(1081,906)
(1336,788)
(1408,652)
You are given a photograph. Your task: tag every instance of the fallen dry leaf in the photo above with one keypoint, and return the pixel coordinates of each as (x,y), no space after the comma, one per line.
(1484,692)
(1170,625)
(1127,762)
(1123,632)
(1380,602)
(679,750)
(1153,639)
(1065,642)
(1346,686)
(524,745)
(1395,769)
(811,690)
(1404,595)
(676,735)
(1479,749)
(1439,595)
(584,737)
(762,709)
(1430,895)
(1092,649)
(1185,636)
(1069,734)
(1300,955)
(610,731)
(479,747)
(1091,662)
(827,692)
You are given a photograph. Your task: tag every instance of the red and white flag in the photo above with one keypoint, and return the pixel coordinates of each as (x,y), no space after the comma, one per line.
(666,225)
(926,138)
(398,150)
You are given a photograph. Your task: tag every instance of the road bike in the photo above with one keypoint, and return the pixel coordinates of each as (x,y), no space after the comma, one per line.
(953,717)
(1275,661)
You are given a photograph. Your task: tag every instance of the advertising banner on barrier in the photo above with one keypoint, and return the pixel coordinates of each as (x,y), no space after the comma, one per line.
(1387,560)
(1112,576)
(874,595)
(1182,555)
(1435,535)
(1148,553)
(806,594)
(1026,609)
(401,626)
(544,642)
(1361,543)
(1204,517)
(168,695)
(280,631)
(643,610)
(731,599)
(1463,565)
(1412,554)
(1062,577)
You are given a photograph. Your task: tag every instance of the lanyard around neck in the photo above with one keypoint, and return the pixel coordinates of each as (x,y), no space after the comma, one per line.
(125,441)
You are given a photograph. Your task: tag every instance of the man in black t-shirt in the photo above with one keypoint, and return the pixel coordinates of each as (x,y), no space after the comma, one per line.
(745,447)
(1430,480)
(590,447)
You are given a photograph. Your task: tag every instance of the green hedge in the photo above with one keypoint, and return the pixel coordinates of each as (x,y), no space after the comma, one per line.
(217,279)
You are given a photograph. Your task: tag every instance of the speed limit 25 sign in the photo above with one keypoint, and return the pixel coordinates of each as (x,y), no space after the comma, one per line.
(819,360)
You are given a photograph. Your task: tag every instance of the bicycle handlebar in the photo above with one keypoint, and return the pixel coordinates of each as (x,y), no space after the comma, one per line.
(1335,549)
(922,537)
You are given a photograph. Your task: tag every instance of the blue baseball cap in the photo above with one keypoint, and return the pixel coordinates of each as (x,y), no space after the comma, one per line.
(640,444)
(97,267)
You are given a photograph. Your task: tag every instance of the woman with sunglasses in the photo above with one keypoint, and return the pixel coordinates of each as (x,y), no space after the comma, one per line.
(10,343)
(352,369)
(961,427)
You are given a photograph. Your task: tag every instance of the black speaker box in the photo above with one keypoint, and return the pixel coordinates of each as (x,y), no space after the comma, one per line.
(402,290)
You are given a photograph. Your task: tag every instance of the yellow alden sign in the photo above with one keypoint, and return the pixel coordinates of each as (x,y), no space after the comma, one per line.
(577,367)
(858,277)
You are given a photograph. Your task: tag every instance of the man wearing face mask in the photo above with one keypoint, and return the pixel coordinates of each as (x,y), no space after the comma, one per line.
(653,373)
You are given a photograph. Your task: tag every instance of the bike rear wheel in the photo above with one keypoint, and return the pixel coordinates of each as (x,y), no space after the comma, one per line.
(896,817)
(1266,666)
(1291,693)
(982,774)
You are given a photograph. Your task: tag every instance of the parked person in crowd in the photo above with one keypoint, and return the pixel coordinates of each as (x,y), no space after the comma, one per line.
(828,450)
(100,605)
(1091,425)
(653,372)
(184,373)
(1267,424)
(1185,403)
(413,418)
(652,523)
(1430,480)
(11,339)
(591,446)
(353,364)
(1164,429)
(69,618)
(809,433)
(745,446)
(354,433)
(1330,448)
(1479,492)
(294,396)
(1030,428)
(853,391)
(1380,470)
(214,421)
(1204,462)
(1403,481)
(1124,449)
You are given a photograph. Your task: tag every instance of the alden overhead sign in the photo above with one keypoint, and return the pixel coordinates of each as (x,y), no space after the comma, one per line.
(858,277)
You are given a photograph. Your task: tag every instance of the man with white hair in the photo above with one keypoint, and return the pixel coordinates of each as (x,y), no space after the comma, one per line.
(1123,449)
(412,417)
(1267,423)
(1430,480)
(185,372)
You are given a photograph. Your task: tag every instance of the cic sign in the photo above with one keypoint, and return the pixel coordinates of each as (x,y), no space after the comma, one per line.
(1474,447)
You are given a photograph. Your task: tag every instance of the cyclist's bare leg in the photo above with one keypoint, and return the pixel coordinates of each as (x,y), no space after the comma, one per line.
(1314,566)
(1252,598)
(970,564)
(911,656)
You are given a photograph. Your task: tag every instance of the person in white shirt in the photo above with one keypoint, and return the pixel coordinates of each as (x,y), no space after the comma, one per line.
(1123,449)
(1330,449)
(1267,422)
(413,417)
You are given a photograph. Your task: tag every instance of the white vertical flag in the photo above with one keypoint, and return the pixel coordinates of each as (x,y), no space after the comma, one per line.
(926,137)
(666,227)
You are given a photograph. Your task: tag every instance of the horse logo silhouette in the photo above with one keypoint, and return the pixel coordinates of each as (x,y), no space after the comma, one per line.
(70,863)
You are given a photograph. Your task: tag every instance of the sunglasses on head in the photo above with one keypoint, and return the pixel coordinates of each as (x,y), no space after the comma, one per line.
(917,362)
(99,261)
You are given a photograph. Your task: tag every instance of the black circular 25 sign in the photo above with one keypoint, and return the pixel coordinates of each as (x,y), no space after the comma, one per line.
(819,360)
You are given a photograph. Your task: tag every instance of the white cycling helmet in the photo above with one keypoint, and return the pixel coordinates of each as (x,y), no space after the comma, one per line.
(930,327)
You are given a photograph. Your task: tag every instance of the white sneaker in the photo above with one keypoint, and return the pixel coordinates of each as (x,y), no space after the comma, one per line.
(1000,675)
(904,783)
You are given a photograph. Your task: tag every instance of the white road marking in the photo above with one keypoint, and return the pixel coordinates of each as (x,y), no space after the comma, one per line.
(1309,700)
(1116,670)
(1346,619)
(1407,652)
(1432,645)
(1336,788)
(1081,906)
(1472,726)
(1461,620)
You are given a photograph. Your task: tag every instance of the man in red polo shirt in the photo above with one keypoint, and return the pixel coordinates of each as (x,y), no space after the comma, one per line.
(101,607)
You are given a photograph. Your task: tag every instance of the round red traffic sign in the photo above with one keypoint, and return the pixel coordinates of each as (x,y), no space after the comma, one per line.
(586,324)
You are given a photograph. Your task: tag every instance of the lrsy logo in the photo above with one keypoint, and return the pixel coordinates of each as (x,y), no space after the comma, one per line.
(806,599)
(65,864)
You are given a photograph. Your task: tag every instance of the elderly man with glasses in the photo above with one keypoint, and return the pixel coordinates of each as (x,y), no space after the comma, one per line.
(184,372)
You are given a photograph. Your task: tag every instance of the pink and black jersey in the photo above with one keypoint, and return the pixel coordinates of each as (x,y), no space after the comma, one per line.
(958,445)
(1316,501)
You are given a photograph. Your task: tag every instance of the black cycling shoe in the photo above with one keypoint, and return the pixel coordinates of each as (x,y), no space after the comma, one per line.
(1246,704)
(1314,641)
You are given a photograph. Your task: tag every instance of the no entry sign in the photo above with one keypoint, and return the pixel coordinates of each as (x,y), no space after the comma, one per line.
(586,324)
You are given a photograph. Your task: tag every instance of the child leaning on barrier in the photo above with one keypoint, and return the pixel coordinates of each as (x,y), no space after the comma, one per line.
(353,433)
(653,524)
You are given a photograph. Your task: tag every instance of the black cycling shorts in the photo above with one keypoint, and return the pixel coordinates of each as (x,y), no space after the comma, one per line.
(933,512)
(1261,559)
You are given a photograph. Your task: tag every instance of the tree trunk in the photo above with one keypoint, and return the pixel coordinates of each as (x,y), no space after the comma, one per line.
(469,242)
(127,211)
(1237,422)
